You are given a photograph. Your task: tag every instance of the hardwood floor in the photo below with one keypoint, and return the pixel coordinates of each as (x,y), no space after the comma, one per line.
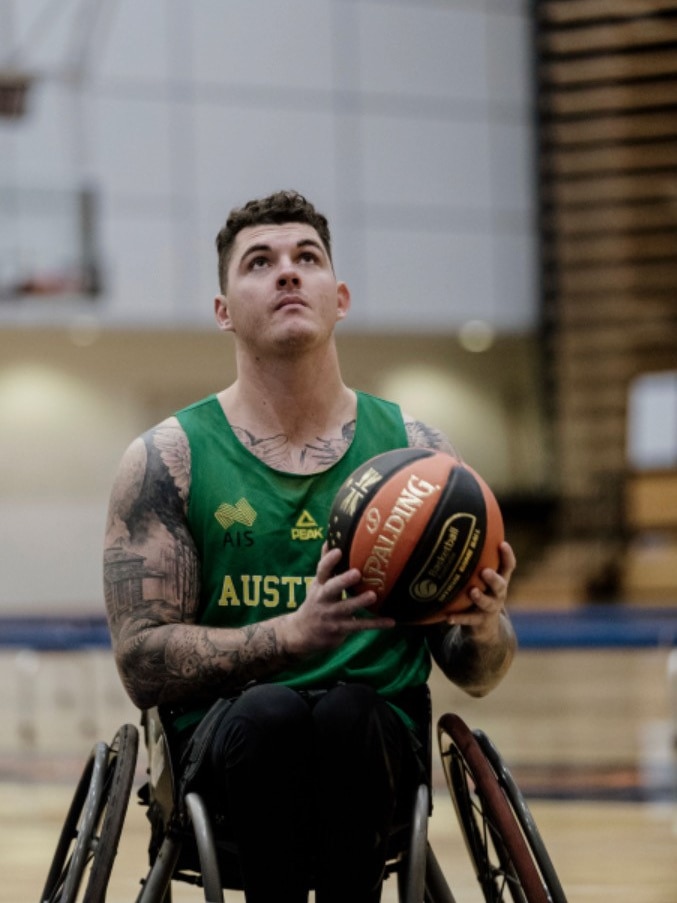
(587,734)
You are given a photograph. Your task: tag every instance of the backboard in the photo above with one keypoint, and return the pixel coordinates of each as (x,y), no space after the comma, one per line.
(48,245)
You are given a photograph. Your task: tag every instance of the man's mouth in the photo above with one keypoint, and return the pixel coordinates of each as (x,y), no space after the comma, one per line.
(290,301)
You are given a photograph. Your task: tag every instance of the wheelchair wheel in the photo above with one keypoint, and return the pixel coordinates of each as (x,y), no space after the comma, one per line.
(500,849)
(91,831)
(411,877)
(523,813)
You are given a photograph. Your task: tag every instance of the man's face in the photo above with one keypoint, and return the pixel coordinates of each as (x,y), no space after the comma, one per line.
(281,287)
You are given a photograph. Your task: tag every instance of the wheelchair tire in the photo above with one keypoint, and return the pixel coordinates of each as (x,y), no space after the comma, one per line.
(501,854)
(91,831)
(526,819)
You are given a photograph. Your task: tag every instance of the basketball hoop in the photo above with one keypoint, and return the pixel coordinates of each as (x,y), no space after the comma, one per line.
(14,89)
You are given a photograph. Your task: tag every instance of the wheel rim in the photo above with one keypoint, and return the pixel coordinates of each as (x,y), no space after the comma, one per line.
(499,849)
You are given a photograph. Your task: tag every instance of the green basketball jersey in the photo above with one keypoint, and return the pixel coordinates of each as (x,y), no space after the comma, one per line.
(259,534)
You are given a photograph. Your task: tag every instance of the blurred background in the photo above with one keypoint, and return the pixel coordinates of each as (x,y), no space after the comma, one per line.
(501,180)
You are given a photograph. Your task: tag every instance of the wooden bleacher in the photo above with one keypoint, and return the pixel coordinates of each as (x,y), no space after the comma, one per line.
(607,133)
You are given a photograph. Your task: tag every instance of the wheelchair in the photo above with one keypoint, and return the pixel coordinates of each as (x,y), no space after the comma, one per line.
(508,855)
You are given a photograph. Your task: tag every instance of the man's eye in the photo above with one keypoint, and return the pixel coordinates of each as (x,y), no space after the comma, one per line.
(308,257)
(256,263)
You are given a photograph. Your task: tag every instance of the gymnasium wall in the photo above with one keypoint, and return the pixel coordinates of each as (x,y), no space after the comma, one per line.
(408,123)
(68,412)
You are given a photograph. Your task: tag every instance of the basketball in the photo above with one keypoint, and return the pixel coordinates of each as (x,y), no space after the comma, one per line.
(420,525)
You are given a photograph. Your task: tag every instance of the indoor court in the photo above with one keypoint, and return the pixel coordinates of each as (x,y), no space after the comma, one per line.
(501,179)
(586,731)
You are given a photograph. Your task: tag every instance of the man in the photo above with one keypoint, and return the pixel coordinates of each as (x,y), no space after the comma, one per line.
(219,584)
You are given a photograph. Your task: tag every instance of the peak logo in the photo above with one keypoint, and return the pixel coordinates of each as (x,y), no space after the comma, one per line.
(306,528)
(239,513)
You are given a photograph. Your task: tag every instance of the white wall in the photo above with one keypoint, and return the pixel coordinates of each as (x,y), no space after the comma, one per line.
(407,122)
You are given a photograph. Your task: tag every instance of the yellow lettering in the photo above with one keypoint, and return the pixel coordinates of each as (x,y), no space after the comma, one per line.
(305,533)
(271,597)
(269,590)
(249,599)
(373,574)
(228,594)
(291,583)
(463,564)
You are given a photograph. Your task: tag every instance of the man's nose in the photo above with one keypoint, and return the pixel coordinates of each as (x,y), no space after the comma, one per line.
(288,276)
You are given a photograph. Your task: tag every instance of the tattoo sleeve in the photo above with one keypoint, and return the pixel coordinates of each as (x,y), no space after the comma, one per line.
(475,667)
(423,436)
(152,586)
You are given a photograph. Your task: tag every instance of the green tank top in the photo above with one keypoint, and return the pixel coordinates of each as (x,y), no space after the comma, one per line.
(259,533)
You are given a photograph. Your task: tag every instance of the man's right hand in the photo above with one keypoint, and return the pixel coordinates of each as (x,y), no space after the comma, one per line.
(330,613)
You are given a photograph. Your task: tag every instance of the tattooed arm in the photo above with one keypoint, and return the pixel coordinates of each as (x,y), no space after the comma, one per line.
(421,435)
(151,579)
(475,648)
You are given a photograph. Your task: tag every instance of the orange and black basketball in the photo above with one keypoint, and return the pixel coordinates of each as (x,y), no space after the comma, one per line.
(420,525)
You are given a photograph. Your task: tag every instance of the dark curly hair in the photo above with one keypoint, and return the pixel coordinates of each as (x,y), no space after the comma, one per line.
(280,207)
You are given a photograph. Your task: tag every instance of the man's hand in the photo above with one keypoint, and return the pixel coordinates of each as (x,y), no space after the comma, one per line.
(483,618)
(329,614)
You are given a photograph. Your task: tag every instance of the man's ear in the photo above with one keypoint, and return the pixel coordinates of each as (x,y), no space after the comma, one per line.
(221,314)
(343,300)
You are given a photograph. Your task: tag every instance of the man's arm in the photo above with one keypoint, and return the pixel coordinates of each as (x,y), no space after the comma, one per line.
(152,589)
(152,585)
(474,648)
(420,435)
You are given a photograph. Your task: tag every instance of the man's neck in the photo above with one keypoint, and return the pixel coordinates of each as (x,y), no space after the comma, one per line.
(296,418)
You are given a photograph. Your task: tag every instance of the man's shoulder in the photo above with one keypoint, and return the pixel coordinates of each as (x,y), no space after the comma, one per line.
(419,434)
(422,435)
(197,407)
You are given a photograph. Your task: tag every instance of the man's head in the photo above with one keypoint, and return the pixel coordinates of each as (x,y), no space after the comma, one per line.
(280,207)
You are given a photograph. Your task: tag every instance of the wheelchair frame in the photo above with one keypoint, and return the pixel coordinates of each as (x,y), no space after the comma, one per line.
(509,856)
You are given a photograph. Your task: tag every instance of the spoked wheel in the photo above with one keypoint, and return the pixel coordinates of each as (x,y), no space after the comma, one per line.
(91,832)
(505,852)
